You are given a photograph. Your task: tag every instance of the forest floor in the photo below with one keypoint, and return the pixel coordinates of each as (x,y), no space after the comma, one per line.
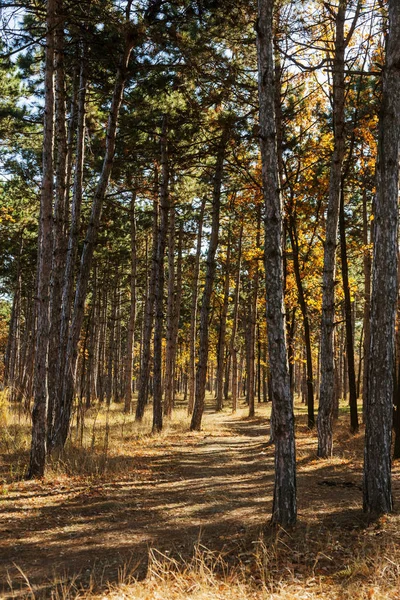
(185,515)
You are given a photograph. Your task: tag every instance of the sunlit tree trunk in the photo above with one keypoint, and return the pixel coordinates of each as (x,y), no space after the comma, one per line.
(284,504)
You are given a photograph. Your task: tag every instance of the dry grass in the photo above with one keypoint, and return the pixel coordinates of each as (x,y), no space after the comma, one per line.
(124,514)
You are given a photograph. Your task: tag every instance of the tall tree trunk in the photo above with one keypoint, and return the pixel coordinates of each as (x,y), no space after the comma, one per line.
(193,312)
(174,307)
(72,246)
(132,313)
(201,372)
(351,370)
(284,505)
(327,385)
(59,239)
(377,492)
(222,329)
(37,460)
(63,423)
(233,350)
(148,318)
(159,290)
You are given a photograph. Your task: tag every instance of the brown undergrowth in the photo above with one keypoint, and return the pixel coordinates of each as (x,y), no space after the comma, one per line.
(123,514)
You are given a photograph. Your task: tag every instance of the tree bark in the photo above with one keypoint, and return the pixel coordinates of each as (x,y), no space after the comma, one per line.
(377,496)
(284,504)
(38,452)
(306,321)
(148,319)
(59,237)
(327,385)
(63,423)
(222,330)
(201,372)
(233,350)
(193,312)
(351,370)
(159,290)
(132,314)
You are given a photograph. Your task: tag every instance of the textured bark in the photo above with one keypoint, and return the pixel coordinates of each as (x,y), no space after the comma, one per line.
(132,314)
(201,372)
(59,238)
(351,370)
(193,312)
(159,290)
(222,331)
(377,497)
(327,384)
(72,246)
(284,504)
(37,461)
(63,423)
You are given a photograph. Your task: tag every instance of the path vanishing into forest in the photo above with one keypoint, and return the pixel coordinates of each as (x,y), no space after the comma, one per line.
(168,493)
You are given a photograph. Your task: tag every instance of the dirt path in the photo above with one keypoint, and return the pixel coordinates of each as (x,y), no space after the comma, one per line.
(216,488)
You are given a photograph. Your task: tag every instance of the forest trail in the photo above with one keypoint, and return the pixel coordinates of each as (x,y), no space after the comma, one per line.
(169,493)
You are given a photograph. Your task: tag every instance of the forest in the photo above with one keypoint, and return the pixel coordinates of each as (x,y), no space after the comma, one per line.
(199,299)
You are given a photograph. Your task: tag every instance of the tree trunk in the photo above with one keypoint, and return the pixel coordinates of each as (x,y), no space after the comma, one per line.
(201,373)
(284,504)
(148,319)
(59,239)
(159,290)
(132,313)
(327,386)
(351,370)
(306,322)
(377,494)
(193,312)
(233,341)
(222,330)
(63,423)
(367,300)
(38,452)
